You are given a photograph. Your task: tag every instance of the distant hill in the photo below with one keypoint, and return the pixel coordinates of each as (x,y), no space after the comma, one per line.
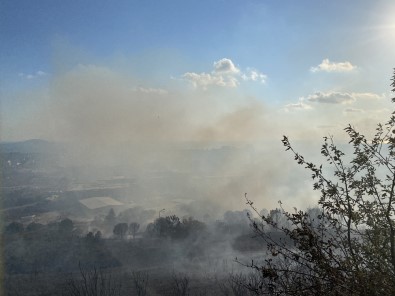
(29,146)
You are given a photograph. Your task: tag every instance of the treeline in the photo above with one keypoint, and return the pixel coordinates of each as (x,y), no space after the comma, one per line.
(60,246)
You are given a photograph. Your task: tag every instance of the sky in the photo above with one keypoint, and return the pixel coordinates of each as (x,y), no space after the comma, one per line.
(301,59)
(137,76)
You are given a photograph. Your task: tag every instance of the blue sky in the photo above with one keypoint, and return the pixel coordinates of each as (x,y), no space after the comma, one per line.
(318,63)
(121,80)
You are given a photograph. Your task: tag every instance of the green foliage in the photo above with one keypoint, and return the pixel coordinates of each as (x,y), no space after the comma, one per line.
(34,227)
(166,226)
(98,235)
(133,228)
(173,227)
(120,229)
(349,247)
(66,226)
(192,226)
(393,85)
(50,251)
(93,238)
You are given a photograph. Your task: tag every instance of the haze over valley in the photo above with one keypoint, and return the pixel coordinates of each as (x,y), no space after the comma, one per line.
(142,145)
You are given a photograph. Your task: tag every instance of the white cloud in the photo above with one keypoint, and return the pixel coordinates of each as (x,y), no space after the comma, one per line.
(368,96)
(224,74)
(204,80)
(254,75)
(32,76)
(340,98)
(225,66)
(328,66)
(331,98)
(297,106)
(40,73)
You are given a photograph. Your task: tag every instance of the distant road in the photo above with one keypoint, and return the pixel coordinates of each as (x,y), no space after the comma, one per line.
(19,207)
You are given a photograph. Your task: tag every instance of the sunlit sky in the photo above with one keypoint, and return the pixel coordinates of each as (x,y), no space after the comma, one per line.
(308,64)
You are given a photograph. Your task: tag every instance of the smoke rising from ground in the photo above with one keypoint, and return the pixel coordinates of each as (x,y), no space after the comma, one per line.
(225,143)
(97,106)
(107,119)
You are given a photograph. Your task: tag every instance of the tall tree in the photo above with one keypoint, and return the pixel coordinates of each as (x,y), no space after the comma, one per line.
(120,229)
(350,250)
(110,218)
(133,228)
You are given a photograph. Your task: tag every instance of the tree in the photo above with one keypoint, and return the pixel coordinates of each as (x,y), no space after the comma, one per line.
(92,282)
(33,227)
(110,218)
(192,226)
(172,227)
(168,226)
(90,237)
(181,285)
(98,235)
(237,221)
(66,226)
(133,228)
(140,280)
(120,229)
(350,250)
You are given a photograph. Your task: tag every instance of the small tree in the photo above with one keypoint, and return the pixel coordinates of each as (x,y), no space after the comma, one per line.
(133,228)
(181,285)
(350,250)
(92,282)
(120,229)
(110,218)
(192,227)
(140,280)
(98,235)
(33,227)
(172,227)
(66,226)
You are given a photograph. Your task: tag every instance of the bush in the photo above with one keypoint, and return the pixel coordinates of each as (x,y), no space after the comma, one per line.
(349,248)
(91,283)
(173,227)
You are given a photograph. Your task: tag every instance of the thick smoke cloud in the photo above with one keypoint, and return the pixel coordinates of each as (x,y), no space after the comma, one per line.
(93,104)
(219,143)
(109,119)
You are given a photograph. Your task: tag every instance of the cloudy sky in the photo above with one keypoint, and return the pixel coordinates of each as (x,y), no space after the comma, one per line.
(123,80)
(298,67)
